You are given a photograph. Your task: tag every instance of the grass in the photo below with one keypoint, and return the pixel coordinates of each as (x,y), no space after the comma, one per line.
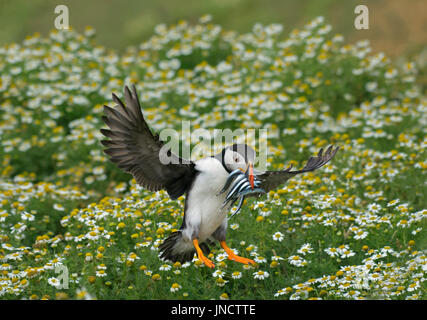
(353,230)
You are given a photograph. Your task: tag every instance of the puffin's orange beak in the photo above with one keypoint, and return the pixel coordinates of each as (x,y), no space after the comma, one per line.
(251,175)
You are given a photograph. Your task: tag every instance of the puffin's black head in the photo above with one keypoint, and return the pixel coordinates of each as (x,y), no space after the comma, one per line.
(238,156)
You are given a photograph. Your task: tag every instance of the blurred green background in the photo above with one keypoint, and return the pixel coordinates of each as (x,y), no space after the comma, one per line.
(397,27)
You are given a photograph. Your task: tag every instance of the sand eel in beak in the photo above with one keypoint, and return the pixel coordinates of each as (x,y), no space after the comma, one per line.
(208,184)
(243,185)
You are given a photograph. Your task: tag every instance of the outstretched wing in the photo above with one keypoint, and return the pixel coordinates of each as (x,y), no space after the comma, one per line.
(137,151)
(272,179)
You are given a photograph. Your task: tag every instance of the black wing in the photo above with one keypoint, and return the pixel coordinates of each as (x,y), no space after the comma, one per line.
(137,151)
(272,179)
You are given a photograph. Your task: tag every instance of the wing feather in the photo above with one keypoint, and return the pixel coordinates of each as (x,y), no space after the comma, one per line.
(136,150)
(273,179)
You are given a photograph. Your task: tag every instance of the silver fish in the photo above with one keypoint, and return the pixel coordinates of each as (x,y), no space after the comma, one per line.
(239,206)
(230,179)
(238,181)
(239,187)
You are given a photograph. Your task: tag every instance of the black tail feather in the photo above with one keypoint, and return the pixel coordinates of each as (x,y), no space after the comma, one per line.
(169,249)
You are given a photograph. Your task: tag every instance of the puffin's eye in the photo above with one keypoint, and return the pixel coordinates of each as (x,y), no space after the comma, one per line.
(236,159)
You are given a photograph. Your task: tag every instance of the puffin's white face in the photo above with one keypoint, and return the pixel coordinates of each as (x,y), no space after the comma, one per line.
(234,160)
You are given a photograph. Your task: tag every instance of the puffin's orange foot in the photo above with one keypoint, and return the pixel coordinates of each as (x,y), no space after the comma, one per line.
(207,262)
(201,256)
(233,256)
(240,259)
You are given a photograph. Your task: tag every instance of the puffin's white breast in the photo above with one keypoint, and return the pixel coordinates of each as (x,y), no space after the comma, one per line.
(204,205)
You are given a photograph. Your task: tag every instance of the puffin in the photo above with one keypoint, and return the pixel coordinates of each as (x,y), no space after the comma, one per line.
(136,150)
